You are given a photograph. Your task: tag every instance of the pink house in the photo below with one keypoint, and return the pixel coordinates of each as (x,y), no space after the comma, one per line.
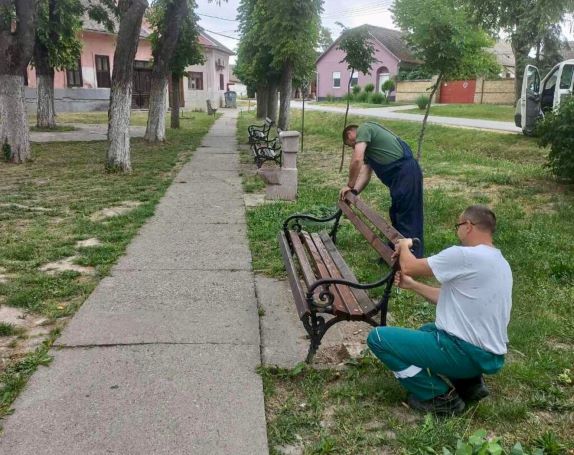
(391,53)
(87,87)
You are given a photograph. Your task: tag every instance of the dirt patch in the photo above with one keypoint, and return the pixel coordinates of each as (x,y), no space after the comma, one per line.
(35,330)
(559,346)
(117,210)
(66,265)
(3,275)
(438,182)
(25,207)
(88,243)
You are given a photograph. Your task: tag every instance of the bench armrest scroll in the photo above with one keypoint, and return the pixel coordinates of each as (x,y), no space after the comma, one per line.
(293,220)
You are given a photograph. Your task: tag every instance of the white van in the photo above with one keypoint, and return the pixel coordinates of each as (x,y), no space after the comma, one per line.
(539,97)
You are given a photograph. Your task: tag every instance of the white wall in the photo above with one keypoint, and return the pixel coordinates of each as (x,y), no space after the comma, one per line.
(196,99)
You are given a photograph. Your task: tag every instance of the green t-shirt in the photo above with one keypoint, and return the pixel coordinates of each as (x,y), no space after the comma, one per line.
(382,145)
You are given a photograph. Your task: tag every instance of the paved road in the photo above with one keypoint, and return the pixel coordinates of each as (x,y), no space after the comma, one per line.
(393,113)
(161,358)
(83,132)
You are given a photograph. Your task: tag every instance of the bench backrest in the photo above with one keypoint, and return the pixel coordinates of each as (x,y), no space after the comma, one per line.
(377,231)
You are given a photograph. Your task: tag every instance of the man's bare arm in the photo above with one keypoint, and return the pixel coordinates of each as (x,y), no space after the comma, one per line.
(364,178)
(404,281)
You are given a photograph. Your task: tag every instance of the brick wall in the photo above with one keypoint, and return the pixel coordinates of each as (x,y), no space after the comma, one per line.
(494,92)
(408,91)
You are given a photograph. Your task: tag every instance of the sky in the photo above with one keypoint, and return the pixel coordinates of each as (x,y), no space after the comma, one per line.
(350,13)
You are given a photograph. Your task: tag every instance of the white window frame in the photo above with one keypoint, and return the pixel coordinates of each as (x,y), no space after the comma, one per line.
(354,75)
(336,78)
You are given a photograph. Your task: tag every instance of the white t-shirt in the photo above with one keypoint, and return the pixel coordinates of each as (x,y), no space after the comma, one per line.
(476,295)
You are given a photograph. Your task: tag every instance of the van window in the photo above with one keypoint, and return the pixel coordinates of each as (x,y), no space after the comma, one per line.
(547,98)
(566,78)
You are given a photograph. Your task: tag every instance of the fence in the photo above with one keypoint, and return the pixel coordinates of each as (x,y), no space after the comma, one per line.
(485,91)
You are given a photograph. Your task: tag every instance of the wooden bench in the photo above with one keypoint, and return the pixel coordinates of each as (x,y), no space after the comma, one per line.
(210,109)
(324,288)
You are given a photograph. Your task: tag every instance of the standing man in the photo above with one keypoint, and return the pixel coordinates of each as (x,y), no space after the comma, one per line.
(469,335)
(377,149)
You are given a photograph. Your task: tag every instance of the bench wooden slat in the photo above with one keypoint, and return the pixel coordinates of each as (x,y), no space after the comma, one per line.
(338,304)
(385,227)
(348,299)
(294,283)
(362,297)
(299,249)
(384,250)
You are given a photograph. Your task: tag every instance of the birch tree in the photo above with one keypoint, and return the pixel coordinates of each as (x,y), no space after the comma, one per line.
(17,27)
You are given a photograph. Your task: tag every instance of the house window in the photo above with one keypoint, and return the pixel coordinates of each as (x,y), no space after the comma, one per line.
(25,74)
(354,78)
(221,82)
(336,79)
(74,76)
(103,71)
(195,81)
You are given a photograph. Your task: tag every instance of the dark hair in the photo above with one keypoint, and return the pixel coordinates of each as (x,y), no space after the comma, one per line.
(346,131)
(481,216)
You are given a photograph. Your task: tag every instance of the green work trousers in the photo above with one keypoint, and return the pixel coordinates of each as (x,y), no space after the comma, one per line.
(422,359)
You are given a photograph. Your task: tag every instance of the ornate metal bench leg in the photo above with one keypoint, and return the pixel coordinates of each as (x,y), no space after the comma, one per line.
(316,328)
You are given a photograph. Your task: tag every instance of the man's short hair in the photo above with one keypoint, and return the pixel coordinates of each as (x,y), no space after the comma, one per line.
(481,216)
(346,131)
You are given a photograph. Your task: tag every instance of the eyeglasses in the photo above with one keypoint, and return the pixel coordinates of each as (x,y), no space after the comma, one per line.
(457,225)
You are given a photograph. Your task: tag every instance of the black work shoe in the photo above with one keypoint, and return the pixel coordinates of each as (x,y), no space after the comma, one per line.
(446,404)
(471,389)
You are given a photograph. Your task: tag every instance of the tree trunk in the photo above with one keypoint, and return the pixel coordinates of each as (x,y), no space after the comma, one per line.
(286,91)
(175,79)
(118,157)
(163,52)
(14,131)
(16,48)
(46,114)
(272,101)
(262,93)
(155,131)
(424,125)
(520,49)
(345,122)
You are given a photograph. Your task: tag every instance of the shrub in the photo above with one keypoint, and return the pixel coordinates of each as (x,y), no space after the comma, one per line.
(377,98)
(348,96)
(556,130)
(369,88)
(362,97)
(356,89)
(422,101)
(329,97)
(388,86)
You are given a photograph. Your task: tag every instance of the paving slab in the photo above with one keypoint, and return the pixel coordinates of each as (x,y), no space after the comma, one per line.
(145,307)
(211,160)
(200,211)
(205,186)
(155,399)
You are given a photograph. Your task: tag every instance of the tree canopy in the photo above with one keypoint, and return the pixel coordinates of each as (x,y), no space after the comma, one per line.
(440,34)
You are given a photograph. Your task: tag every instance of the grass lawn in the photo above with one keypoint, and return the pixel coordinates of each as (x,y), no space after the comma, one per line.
(480,111)
(359,409)
(138,118)
(46,207)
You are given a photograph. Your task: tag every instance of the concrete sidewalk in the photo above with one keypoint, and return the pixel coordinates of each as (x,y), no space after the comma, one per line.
(393,113)
(161,358)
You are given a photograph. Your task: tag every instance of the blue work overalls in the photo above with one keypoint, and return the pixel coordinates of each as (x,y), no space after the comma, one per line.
(404,179)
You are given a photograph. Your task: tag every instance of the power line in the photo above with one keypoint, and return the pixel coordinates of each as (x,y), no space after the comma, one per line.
(221,34)
(217,17)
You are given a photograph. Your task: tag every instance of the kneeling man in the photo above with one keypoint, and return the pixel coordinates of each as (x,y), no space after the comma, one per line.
(469,335)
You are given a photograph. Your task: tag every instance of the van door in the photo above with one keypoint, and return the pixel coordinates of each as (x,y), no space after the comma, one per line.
(530,99)
(564,89)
